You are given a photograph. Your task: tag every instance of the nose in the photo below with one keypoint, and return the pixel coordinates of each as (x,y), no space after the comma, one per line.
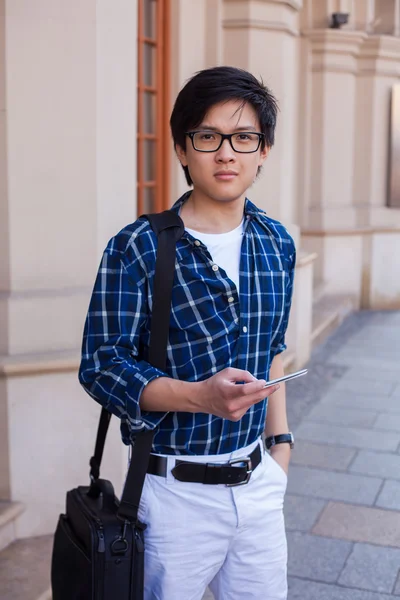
(226,153)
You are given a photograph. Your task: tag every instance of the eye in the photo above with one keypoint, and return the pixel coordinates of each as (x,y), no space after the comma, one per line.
(244,137)
(207,137)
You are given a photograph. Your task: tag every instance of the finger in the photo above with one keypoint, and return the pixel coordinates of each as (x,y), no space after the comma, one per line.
(271,389)
(257,395)
(240,376)
(249,389)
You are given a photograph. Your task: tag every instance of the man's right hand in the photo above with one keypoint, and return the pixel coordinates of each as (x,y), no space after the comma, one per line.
(230,393)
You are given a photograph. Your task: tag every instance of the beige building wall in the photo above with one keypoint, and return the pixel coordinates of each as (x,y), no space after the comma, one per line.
(68,75)
(67,160)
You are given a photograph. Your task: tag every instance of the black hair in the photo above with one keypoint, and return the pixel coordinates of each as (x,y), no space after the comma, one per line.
(221,84)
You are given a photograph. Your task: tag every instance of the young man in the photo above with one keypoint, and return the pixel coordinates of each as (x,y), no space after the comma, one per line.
(230,308)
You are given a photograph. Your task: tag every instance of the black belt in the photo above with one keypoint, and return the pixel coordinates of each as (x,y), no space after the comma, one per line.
(209,473)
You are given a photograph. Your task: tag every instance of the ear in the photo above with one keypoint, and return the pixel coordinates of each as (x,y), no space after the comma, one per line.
(264,155)
(181,154)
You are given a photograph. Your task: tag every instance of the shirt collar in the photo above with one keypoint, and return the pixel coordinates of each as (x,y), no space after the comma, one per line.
(250,209)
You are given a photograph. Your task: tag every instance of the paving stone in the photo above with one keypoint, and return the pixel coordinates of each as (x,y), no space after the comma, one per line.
(357,385)
(390,495)
(387,422)
(347,436)
(302,395)
(300,589)
(25,568)
(359,524)
(361,374)
(317,558)
(375,334)
(385,317)
(364,349)
(397,587)
(349,357)
(325,413)
(301,513)
(310,454)
(382,403)
(396,392)
(379,464)
(328,485)
(372,568)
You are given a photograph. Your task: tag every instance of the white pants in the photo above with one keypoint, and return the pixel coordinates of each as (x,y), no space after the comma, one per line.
(229,538)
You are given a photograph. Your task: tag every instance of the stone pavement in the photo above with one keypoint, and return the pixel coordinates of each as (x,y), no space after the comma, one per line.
(342,505)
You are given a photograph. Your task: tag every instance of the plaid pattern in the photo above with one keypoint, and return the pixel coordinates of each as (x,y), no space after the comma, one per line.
(210,329)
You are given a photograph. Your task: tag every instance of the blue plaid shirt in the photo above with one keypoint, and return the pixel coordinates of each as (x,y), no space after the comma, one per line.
(210,328)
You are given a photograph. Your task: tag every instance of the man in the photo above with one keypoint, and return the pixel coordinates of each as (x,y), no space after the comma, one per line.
(230,308)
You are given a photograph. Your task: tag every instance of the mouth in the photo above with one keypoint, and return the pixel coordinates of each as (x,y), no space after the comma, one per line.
(225,175)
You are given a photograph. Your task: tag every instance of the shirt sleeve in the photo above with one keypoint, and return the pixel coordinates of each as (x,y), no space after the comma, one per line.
(279,344)
(111,370)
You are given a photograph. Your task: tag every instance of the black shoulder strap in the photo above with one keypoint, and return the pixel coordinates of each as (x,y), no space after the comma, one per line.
(169,228)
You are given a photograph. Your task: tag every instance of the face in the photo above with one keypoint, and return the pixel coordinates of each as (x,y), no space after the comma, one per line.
(224,175)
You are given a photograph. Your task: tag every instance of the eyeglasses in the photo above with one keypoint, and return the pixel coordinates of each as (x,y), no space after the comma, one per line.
(244,142)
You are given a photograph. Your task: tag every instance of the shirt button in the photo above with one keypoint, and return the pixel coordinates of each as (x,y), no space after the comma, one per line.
(245,329)
(231,299)
(197,243)
(215,267)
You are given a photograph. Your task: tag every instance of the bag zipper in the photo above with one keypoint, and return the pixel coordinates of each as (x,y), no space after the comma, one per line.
(137,569)
(102,545)
(98,583)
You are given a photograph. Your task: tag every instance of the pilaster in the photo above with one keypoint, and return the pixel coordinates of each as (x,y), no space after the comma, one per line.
(333,64)
(378,70)
(263,38)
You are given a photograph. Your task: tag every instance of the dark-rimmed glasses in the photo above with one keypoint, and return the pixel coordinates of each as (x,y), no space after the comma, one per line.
(244,142)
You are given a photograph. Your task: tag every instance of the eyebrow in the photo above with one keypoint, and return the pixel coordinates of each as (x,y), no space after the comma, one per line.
(206,127)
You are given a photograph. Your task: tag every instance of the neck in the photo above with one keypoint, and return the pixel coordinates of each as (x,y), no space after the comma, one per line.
(212,216)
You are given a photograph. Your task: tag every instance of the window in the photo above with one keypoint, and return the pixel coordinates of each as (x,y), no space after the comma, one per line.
(153,106)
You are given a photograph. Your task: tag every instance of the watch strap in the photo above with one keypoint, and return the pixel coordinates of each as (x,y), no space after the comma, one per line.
(283,438)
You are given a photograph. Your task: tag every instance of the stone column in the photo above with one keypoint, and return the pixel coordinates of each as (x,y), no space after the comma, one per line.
(378,70)
(332,127)
(263,38)
(195,45)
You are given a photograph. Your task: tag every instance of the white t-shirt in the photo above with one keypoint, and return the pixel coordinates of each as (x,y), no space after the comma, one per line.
(225,249)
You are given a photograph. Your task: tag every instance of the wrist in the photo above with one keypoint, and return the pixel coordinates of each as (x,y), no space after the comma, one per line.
(195,396)
(281,454)
(281,449)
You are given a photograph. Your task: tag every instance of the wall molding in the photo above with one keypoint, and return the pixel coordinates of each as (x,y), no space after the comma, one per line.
(349,232)
(39,364)
(261,25)
(296,5)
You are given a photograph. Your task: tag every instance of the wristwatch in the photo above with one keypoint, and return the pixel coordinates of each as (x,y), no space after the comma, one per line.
(283,438)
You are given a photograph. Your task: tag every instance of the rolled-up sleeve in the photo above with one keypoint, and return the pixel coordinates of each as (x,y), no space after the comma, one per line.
(279,344)
(111,370)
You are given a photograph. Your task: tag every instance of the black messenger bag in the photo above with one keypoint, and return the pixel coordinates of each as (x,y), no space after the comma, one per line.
(98,550)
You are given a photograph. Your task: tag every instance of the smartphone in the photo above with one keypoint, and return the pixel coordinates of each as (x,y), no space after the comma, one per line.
(286,377)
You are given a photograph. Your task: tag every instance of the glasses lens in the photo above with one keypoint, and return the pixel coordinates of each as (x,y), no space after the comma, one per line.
(210,141)
(206,140)
(245,142)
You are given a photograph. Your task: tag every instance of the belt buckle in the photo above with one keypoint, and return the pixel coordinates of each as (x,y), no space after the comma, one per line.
(249,471)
